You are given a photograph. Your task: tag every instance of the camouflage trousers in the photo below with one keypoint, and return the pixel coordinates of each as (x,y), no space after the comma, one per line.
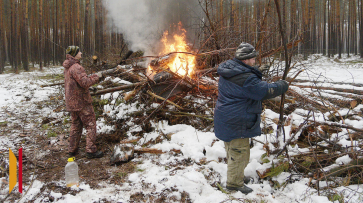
(84,118)
(238,156)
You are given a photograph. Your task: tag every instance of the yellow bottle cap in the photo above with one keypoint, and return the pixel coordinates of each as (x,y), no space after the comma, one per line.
(71,159)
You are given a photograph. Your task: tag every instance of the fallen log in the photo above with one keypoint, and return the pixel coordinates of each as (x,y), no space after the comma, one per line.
(337,125)
(359,92)
(341,169)
(330,82)
(307,100)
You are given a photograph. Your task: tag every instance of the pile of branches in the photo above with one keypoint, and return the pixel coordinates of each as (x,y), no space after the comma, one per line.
(181,99)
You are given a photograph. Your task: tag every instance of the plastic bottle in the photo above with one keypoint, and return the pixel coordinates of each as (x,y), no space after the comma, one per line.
(71,170)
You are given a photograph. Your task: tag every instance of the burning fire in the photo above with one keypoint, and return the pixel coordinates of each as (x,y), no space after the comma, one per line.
(181,63)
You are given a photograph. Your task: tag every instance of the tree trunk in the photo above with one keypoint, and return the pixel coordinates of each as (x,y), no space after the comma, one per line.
(24,35)
(14,52)
(87,30)
(41,41)
(361,29)
(338,30)
(2,41)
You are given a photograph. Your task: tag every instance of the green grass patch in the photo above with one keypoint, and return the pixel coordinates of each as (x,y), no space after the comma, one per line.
(51,133)
(264,158)
(121,174)
(45,127)
(103,102)
(52,77)
(275,171)
(66,120)
(119,101)
(337,197)
(140,170)
(307,162)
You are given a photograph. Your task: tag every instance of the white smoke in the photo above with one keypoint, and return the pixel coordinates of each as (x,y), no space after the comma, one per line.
(142,22)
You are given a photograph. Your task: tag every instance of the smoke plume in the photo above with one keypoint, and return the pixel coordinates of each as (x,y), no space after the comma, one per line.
(142,22)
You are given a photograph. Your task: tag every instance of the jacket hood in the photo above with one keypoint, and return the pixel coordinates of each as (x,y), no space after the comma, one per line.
(235,67)
(70,60)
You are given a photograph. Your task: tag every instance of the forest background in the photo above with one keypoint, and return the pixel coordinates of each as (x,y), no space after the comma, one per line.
(38,31)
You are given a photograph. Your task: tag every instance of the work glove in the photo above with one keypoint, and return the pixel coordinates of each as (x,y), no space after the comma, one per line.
(264,68)
(93,89)
(100,76)
(284,85)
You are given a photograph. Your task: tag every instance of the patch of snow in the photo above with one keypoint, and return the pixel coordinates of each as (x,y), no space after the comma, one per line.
(343,160)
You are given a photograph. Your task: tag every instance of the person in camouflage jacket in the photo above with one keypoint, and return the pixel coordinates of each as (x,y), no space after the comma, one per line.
(79,103)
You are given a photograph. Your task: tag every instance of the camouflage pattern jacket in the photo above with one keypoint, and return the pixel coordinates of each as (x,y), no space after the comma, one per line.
(76,84)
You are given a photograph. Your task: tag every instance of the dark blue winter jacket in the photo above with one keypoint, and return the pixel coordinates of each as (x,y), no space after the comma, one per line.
(240,92)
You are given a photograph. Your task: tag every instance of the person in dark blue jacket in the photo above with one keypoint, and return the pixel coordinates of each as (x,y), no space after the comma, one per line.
(237,114)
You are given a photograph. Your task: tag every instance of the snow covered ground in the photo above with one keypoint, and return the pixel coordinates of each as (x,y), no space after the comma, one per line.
(193,174)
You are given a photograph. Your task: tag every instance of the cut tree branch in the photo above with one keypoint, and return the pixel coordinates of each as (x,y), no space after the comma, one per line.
(123,87)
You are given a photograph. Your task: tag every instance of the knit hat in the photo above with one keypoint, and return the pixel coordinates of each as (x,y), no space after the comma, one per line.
(72,50)
(245,51)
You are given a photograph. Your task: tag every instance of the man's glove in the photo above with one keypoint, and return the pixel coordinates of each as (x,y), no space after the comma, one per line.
(93,89)
(264,68)
(283,85)
(100,76)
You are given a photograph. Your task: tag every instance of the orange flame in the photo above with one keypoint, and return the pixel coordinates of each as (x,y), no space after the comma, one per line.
(183,64)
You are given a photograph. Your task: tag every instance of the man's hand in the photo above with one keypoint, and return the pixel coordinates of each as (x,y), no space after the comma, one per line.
(264,68)
(100,76)
(93,89)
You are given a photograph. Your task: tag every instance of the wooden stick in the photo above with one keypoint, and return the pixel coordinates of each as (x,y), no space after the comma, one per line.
(162,98)
(344,168)
(307,100)
(123,87)
(274,51)
(104,72)
(205,71)
(295,76)
(188,114)
(337,125)
(360,92)
(301,128)
(153,151)
(129,141)
(54,84)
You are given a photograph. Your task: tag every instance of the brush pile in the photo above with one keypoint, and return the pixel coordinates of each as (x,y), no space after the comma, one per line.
(321,117)
(162,94)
